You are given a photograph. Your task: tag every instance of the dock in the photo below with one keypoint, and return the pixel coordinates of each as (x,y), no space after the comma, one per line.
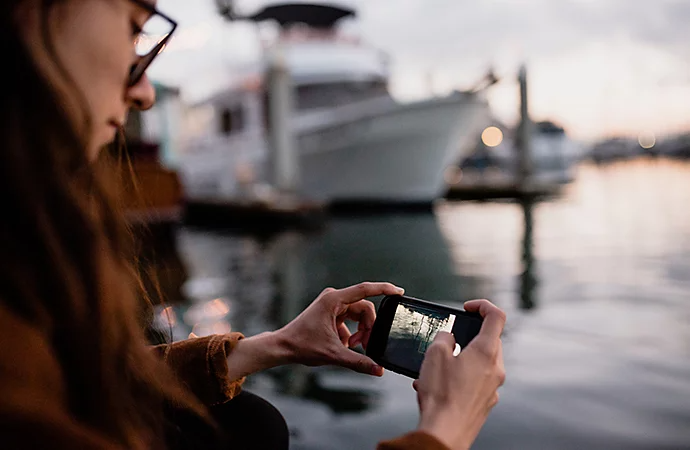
(502,186)
(256,216)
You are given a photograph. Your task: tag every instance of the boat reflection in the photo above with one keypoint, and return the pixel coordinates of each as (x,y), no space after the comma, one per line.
(528,278)
(406,249)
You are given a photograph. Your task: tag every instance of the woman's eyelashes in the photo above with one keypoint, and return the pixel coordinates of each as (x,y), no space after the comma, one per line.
(137,30)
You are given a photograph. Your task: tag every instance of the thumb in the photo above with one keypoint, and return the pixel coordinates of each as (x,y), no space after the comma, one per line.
(359,363)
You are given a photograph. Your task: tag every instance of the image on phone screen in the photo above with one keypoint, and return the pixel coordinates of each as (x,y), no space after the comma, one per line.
(413,330)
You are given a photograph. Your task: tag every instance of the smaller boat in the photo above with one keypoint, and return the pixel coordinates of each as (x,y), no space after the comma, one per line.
(553,155)
(151,191)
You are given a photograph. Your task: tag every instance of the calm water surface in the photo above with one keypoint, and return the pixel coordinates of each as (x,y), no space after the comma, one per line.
(597,344)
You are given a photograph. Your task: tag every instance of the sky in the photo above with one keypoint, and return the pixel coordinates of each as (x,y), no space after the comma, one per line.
(600,68)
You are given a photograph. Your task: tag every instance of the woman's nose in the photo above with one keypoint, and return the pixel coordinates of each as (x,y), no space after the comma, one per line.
(142,95)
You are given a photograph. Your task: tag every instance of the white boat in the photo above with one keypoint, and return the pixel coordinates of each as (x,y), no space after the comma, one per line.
(553,154)
(354,141)
(553,157)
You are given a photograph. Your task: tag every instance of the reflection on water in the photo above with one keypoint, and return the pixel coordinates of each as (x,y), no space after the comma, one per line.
(597,353)
(528,278)
(341,398)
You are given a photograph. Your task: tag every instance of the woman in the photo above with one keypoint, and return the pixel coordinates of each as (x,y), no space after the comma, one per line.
(75,371)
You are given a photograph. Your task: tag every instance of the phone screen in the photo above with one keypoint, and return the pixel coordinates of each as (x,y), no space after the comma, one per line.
(414,328)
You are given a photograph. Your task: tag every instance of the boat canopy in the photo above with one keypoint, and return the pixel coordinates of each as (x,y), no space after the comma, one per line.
(312,13)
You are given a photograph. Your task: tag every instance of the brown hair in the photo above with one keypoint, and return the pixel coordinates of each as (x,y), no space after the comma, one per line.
(65,257)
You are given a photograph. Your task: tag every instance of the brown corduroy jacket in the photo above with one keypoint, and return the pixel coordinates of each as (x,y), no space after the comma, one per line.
(33,408)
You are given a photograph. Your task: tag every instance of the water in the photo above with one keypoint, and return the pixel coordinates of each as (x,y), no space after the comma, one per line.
(597,292)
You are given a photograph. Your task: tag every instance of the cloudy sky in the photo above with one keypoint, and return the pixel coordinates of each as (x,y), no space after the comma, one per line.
(599,67)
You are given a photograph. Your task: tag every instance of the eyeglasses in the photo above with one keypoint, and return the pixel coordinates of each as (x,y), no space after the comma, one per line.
(153,38)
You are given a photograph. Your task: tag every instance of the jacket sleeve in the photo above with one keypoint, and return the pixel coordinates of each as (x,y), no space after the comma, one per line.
(413,441)
(202,365)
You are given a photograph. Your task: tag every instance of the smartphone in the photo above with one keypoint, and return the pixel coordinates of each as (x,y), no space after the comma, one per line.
(406,326)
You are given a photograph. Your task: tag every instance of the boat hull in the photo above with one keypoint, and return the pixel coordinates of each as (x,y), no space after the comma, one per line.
(373,151)
(399,155)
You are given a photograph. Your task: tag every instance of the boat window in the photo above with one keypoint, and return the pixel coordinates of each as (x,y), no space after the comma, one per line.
(547,127)
(332,94)
(231,120)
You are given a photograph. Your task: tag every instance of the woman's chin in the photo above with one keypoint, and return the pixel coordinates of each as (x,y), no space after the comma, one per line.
(99,145)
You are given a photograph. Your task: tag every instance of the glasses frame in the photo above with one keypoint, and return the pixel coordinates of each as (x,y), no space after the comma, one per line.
(143,62)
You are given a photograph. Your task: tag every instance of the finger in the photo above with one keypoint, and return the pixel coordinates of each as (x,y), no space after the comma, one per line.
(361,291)
(359,363)
(363,312)
(494,400)
(501,365)
(441,348)
(436,360)
(344,334)
(437,353)
(444,340)
(366,335)
(494,318)
(415,385)
(360,337)
(355,340)
(328,290)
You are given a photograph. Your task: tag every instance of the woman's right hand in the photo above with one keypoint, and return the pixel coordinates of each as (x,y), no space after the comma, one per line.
(456,394)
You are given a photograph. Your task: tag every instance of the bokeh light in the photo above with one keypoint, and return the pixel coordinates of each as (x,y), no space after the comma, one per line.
(647,140)
(207,311)
(492,137)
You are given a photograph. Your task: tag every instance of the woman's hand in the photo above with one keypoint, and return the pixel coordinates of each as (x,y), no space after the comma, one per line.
(319,335)
(456,394)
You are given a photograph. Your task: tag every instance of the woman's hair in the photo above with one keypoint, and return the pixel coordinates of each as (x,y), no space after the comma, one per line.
(65,255)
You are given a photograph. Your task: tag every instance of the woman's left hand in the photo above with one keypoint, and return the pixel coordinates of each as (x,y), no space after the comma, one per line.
(320,337)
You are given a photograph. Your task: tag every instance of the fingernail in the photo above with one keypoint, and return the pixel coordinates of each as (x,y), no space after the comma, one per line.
(401,290)
(376,370)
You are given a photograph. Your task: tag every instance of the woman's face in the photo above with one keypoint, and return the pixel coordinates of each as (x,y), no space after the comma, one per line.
(94,44)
